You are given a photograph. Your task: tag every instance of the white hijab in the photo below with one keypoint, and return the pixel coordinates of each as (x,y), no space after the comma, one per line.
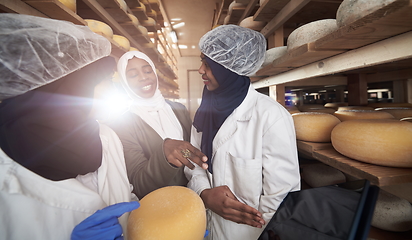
(154,111)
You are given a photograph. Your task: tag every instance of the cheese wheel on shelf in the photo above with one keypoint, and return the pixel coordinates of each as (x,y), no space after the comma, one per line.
(168,213)
(361,114)
(385,142)
(143,30)
(343,108)
(251,24)
(122,41)
(397,112)
(335,105)
(351,10)
(320,174)
(381,105)
(134,19)
(311,32)
(314,126)
(274,53)
(122,5)
(133,49)
(408,119)
(100,28)
(322,110)
(71,4)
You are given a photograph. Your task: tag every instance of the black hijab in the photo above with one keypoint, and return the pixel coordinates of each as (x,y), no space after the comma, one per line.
(217,105)
(48,130)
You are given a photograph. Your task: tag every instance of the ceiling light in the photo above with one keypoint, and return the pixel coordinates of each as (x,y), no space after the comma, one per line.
(173,36)
(178,25)
(183,46)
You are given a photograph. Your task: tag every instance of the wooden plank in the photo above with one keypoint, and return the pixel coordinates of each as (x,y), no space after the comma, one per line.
(17,6)
(133,3)
(235,15)
(287,12)
(248,10)
(269,9)
(140,13)
(389,50)
(310,147)
(391,20)
(378,175)
(56,10)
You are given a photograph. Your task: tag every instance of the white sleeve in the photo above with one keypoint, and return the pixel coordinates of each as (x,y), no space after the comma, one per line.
(280,165)
(198,177)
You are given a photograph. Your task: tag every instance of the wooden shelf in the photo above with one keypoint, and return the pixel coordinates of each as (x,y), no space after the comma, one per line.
(56,10)
(268,9)
(378,175)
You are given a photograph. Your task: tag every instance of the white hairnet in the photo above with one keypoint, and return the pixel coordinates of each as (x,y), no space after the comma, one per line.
(241,50)
(35,51)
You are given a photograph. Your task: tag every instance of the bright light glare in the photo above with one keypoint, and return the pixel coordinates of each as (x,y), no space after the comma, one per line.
(112,105)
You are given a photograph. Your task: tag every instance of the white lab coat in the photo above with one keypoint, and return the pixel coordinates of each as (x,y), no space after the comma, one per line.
(255,155)
(32,207)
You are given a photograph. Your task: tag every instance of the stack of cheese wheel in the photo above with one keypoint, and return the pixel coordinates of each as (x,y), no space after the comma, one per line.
(385,142)
(273,54)
(313,126)
(100,28)
(335,105)
(310,32)
(71,4)
(351,10)
(168,213)
(251,24)
(123,42)
(346,115)
(397,112)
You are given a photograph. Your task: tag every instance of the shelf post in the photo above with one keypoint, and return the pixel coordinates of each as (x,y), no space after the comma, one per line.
(357,90)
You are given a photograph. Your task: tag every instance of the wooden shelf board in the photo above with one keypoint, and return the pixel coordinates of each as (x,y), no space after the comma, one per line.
(139,13)
(235,15)
(56,10)
(133,3)
(391,20)
(269,9)
(378,175)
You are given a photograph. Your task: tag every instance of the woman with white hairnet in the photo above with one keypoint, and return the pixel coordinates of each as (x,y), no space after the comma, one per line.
(248,137)
(58,166)
(155,131)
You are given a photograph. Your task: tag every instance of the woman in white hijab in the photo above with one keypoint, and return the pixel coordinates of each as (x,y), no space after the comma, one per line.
(155,132)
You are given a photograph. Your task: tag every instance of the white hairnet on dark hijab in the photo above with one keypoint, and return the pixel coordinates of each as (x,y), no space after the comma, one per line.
(35,51)
(241,50)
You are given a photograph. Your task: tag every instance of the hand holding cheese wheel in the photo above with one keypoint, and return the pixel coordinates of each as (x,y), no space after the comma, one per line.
(313,126)
(386,142)
(168,213)
(361,114)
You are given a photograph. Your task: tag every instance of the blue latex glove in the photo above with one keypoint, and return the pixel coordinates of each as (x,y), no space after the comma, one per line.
(104,223)
(206,233)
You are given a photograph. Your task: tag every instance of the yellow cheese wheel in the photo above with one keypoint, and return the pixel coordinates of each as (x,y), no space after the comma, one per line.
(386,142)
(335,105)
(122,5)
(310,32)
(397,112)
(342,108)
(122,41)
(251,24)
(71,4)
(134,19)
(313,126)
(321,109)
(143,30)
(133,49)
(381,105)
(100,28)
(168,213)
(361,114)
(149,22)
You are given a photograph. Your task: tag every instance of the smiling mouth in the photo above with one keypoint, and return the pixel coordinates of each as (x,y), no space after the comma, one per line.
(147,88)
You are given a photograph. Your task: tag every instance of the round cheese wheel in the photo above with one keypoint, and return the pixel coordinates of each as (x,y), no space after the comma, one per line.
(122,41)
(351,10)
(397,112)
(386,142)
(251,24)
(100,28)
(408,119)
(313,126)
(71,4)
(122,5)
(134,19)
(149,22)
(318,175)
(305,107)
(274,53)
(133,49)
(321,109)
(343,108)
(234,4)
(346,115)
(392,213)
(226,20)
(335,105)
(168,213)
(143,30)
(310,32)
(381,105)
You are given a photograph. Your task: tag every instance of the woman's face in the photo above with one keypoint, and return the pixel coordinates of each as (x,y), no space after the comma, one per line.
(141,77)
(208,78)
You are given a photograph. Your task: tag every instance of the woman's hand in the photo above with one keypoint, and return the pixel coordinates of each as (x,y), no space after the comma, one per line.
(179,153)
(223,202)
